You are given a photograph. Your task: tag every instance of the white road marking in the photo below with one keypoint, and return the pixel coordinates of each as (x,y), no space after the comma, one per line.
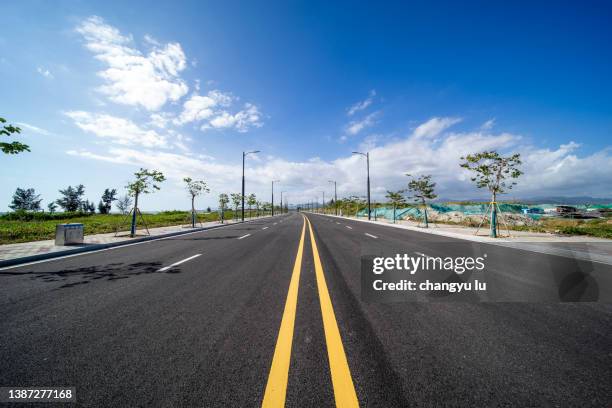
(338,223)
(422,254)
(348,227)
(264,228)
(165,268)
(62,257)
(370,235)
(275,223)
(244,236)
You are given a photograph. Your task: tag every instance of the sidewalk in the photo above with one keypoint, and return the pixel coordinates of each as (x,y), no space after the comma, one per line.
(31,251)
(578,247)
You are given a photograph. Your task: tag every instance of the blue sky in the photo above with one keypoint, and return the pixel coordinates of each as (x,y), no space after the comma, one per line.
(103,88)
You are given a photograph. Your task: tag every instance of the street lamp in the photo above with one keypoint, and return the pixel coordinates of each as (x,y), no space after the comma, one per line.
(335,196)
(367,156)
(281,204)
(273,181)
(323,192)
(244,155)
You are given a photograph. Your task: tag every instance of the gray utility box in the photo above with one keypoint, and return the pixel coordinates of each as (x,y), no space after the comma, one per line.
(68,234)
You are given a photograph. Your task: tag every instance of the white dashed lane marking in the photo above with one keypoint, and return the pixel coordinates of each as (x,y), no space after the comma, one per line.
(165,268)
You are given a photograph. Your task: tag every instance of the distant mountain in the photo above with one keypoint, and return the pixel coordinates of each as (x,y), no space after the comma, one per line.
(540,200)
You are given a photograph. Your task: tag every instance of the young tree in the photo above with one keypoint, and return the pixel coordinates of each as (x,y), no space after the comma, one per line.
(11,147)
(223,201)
(106,203)
(146,182)
(25,200)
(236,200)
(88,207)
(195,188)
(423,190)
(494,172)
(124,204)
(71,200)
(52,207)
(396,198)
(251,201)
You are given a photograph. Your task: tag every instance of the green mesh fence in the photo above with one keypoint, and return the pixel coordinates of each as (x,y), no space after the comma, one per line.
(534,211)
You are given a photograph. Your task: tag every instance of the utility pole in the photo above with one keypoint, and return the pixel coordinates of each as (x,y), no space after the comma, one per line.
(367,156)
(282,201)
(335,196)
(244,155)
(323,192)
(273,181)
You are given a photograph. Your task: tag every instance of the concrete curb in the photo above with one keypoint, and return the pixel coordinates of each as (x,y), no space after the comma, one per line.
(97,247)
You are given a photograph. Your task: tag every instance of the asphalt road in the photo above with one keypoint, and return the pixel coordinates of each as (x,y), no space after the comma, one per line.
(255,313)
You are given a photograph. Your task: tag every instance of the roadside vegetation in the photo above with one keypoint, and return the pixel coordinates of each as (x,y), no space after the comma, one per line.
(24,227)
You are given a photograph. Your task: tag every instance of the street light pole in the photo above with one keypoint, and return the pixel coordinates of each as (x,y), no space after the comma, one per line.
(367,156)
(335,196)
(368,165)
(244,155)
(323,192)
(273,181)
(282,211)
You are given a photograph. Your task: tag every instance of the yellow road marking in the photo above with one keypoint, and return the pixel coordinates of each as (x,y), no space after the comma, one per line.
(276,388)
(344,389)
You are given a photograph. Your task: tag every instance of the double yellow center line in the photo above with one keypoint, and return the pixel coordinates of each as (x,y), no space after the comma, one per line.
(276,388)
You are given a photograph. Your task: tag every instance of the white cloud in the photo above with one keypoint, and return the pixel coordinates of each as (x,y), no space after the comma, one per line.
(361,105)
(212,109)
(132,78)
(34,129)
(199,107)
(45,72)
(118,130)
(488,125)
(434,126)
(160,120)
(553,171)
(242,121)
(356,126)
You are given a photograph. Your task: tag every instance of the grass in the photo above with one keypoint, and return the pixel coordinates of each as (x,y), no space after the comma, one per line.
(14,231)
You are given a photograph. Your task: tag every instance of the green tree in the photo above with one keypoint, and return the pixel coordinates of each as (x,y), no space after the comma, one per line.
(236,200)
(195,188)
(494,172)
(11,147)
(124,204)
(396,198)
(88,207)
(251,201)
(223,201)
(423,189)
(25,200)
(106,203)
(72,198)
(146,182)
(52,207)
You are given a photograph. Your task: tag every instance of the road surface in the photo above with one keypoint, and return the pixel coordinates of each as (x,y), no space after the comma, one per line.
(254,314)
